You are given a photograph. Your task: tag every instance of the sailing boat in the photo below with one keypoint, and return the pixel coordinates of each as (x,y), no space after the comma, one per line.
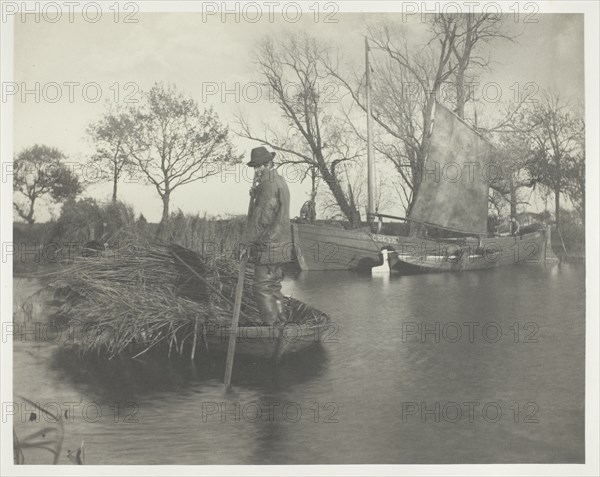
(451,201)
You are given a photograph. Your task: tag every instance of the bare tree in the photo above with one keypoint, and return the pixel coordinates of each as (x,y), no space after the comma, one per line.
(557,132)
(174,143)
(405,87)
(576,183)
(408,80)
(110,135)
(512,174)
(471,31)
(312,136)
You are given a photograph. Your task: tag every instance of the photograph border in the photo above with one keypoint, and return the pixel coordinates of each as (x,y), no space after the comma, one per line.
(592,329)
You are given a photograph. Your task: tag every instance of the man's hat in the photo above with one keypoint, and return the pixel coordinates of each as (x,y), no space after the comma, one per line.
(260,156)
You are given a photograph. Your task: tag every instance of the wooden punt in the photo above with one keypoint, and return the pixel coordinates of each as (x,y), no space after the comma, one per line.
(489,253)
(268,342)
(306,327)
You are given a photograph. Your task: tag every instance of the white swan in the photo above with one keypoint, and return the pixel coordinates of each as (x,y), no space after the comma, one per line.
(385,267)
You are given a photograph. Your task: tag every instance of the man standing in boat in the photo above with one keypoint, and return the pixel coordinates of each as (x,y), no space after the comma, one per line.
(268,235)
(308,212)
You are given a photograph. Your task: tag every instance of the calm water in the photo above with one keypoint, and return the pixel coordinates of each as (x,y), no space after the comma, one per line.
(507,341)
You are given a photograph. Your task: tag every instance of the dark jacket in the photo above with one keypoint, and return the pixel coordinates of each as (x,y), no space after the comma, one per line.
(268,235)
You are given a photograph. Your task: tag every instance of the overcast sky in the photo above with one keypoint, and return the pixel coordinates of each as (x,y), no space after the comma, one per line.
(182,49)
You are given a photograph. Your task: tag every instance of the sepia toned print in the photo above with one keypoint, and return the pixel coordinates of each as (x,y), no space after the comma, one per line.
(288,233)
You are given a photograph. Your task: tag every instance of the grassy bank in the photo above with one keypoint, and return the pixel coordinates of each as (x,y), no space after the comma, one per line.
(86,226)
(205,234)
(30,252)
(89,229)
(568,243)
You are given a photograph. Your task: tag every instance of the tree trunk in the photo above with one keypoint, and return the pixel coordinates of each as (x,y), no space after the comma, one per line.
(349,212)
(463,62)
(557,206)
(313,186)
(165,213)
(461,95)
(417,174)
(30,220)
(513,199)
(161,232)
(415,229)
(115,181)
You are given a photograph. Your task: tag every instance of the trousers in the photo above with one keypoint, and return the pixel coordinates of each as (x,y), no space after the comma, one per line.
(267,292)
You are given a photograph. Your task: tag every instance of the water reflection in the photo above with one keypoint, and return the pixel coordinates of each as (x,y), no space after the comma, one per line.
(131,378)
(505,336)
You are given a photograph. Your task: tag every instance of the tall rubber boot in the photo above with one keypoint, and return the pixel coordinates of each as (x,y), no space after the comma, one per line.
(263,288)
(281,312)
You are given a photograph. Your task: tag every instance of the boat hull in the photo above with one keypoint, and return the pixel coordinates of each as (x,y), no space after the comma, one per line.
(323,247)
(267,342)
(490,253)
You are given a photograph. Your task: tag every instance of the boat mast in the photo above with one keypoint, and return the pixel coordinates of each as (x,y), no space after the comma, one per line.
(370,162)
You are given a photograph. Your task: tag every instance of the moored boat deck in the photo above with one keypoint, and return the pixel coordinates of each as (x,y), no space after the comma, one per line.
(324,247)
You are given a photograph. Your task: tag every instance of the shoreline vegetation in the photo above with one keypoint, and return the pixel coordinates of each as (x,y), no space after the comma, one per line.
(107,270)
(43,247)
(85,227)
(133,285)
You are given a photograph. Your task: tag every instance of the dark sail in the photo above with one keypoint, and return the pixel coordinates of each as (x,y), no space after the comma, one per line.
(453,192)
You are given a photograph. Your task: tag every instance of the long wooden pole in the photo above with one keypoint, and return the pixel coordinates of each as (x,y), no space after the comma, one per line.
(205,282)
(370,161)
(237,305)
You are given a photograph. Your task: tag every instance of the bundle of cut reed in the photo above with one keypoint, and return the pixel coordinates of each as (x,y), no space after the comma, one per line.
(159,298)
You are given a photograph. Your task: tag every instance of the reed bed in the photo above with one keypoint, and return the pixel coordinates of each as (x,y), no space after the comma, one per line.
(204,233)
(160,298)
